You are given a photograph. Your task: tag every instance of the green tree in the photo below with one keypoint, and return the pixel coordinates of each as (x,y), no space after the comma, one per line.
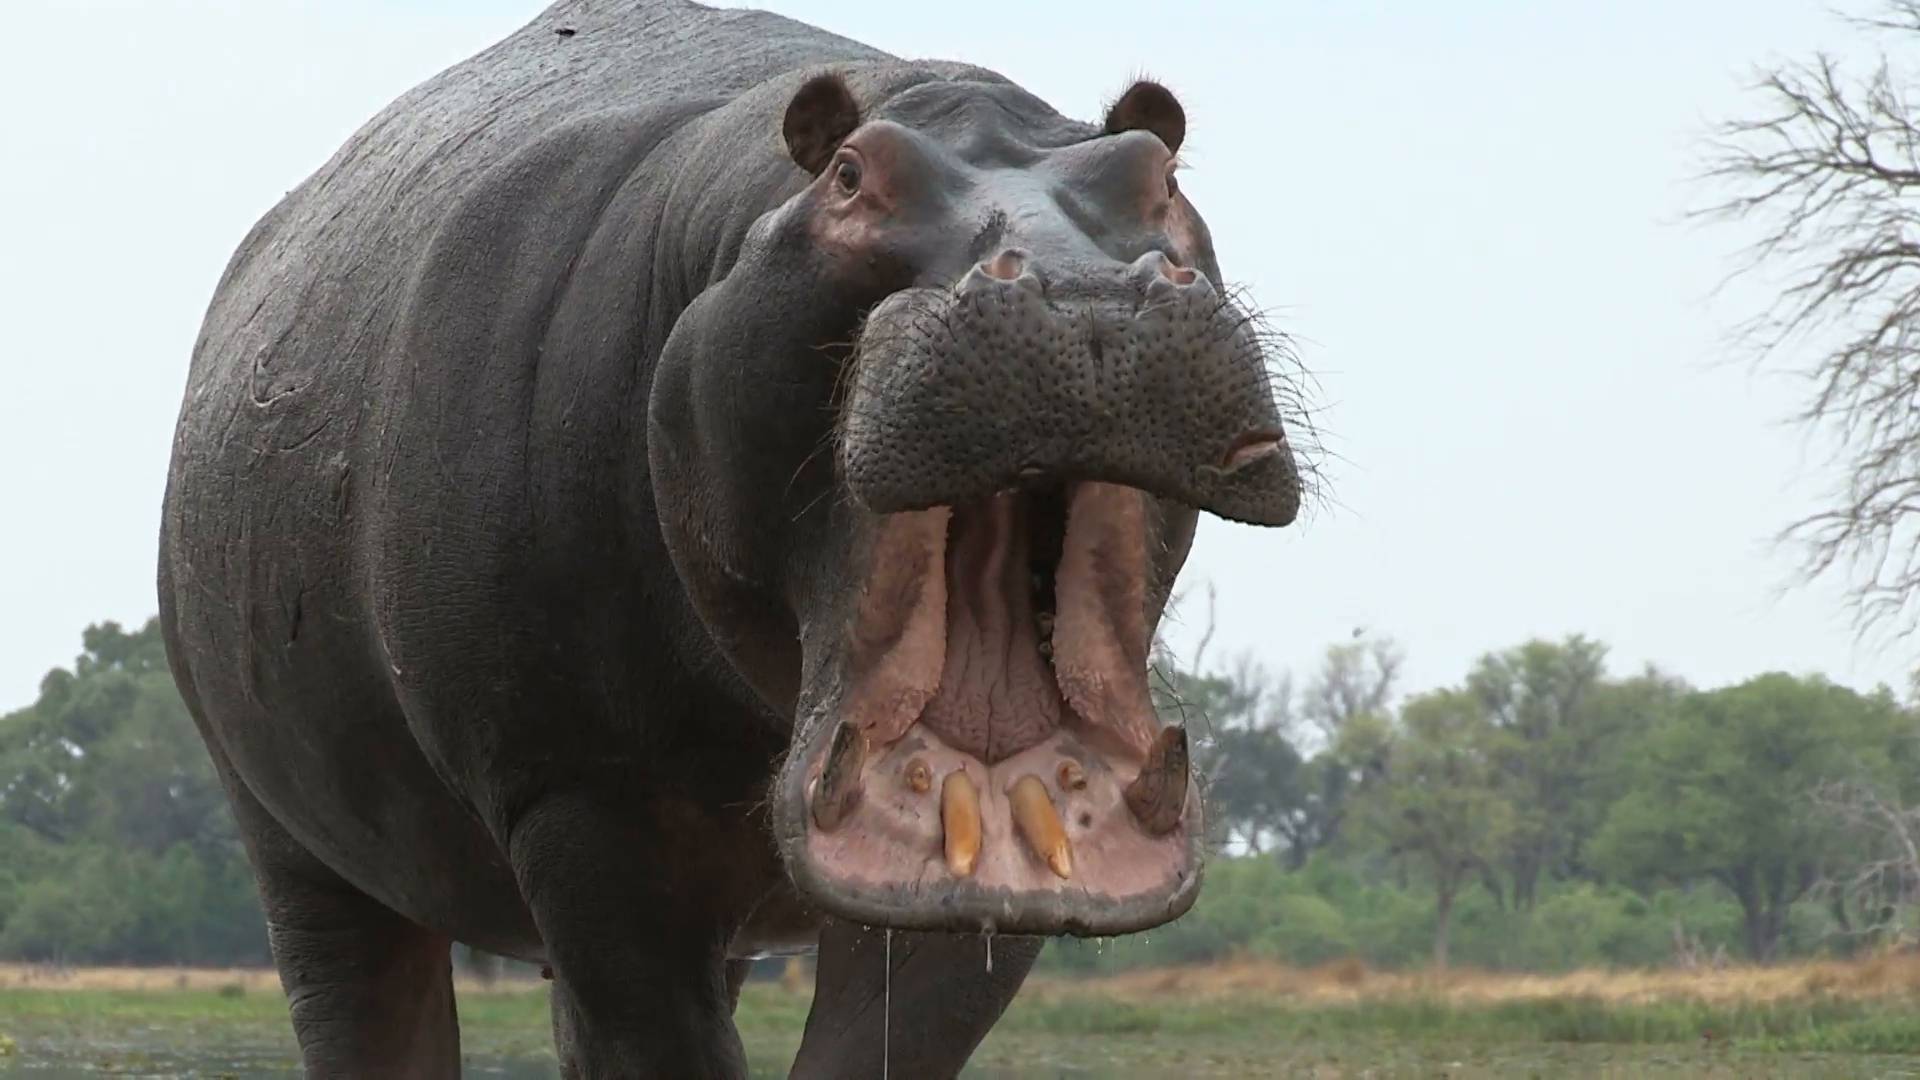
(1355,679)
(1238,724)
(1252,734)
(116,842)
(1440,796)
(1567,726)
(109,752)
(1354,685)
(1723,791)
(1537,695)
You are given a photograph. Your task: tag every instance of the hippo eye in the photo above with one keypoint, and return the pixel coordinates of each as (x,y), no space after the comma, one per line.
(1173,185)
(847,175)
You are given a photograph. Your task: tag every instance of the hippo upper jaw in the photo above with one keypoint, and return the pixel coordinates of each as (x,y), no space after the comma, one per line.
(1143,375)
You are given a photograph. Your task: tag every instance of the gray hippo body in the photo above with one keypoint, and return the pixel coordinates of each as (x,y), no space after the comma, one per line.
(680,486)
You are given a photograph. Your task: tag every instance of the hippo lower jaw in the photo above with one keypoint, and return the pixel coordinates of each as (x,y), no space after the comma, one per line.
(994,762)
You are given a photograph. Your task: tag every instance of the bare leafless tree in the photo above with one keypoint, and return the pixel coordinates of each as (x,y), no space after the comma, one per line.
(1356,678)
(1829,168)
(1873,886)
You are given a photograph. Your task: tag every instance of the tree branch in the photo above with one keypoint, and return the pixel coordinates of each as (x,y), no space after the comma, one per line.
(1830,170)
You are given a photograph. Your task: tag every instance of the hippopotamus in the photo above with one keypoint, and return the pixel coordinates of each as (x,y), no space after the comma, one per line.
(681,486)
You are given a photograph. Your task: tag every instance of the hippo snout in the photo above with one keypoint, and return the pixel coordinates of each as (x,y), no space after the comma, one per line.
(1140,374)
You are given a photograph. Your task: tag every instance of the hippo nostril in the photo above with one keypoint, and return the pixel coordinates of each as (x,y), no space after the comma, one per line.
(1177,274)
(1163,278)
(1012,267)
(1249,447)
(1006,266)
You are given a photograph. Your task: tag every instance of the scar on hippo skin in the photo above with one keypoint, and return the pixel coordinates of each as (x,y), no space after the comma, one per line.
(1148,106)
(821,114)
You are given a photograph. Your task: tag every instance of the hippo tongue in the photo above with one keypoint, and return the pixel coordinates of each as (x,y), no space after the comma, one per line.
(997,695)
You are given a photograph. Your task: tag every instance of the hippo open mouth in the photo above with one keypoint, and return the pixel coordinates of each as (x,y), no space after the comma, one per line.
(997,758)
(1031,417)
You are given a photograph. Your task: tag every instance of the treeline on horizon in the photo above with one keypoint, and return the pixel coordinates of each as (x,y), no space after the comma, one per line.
(1543,814)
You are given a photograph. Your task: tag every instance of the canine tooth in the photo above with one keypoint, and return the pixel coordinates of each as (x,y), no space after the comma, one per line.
(1159,793)
(1039,824)
(839,789)
(960,820)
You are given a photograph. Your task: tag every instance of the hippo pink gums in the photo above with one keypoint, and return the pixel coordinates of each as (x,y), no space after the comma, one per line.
(681,486)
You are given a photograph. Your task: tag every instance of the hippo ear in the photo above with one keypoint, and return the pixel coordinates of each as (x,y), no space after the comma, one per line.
(821,114)
(1148,106)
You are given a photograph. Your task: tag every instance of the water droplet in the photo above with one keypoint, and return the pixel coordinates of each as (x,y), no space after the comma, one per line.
(886,1015)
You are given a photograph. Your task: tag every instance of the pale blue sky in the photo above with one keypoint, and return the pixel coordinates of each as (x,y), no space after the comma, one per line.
(1467,212)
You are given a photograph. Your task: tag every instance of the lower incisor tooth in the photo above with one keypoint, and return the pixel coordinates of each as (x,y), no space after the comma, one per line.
(1039,824)
(960,821)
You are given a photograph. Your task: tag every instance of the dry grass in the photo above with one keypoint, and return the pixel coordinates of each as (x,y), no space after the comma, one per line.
(1875,978)
(1895,976)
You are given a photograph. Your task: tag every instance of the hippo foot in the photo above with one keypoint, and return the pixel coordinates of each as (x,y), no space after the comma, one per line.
(995,763)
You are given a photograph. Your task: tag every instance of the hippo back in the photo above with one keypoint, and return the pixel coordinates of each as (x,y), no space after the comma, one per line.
(335,251)
(303,356)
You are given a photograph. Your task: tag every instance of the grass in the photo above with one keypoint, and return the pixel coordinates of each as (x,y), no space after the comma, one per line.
(1242,1019)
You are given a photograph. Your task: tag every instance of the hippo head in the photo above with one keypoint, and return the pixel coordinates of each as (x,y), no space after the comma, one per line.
(930,454)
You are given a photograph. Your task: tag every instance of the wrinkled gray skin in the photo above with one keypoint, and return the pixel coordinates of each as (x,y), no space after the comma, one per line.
(520,494)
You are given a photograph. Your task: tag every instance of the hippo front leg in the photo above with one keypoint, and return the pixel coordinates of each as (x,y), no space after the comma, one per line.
(943,1000)
(636,898)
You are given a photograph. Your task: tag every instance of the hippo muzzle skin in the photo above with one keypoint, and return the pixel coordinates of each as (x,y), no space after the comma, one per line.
(681,486)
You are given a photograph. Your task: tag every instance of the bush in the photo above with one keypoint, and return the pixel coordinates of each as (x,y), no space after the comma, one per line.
(1304,930)
(1584,925)
(1329,911)
(96,905)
